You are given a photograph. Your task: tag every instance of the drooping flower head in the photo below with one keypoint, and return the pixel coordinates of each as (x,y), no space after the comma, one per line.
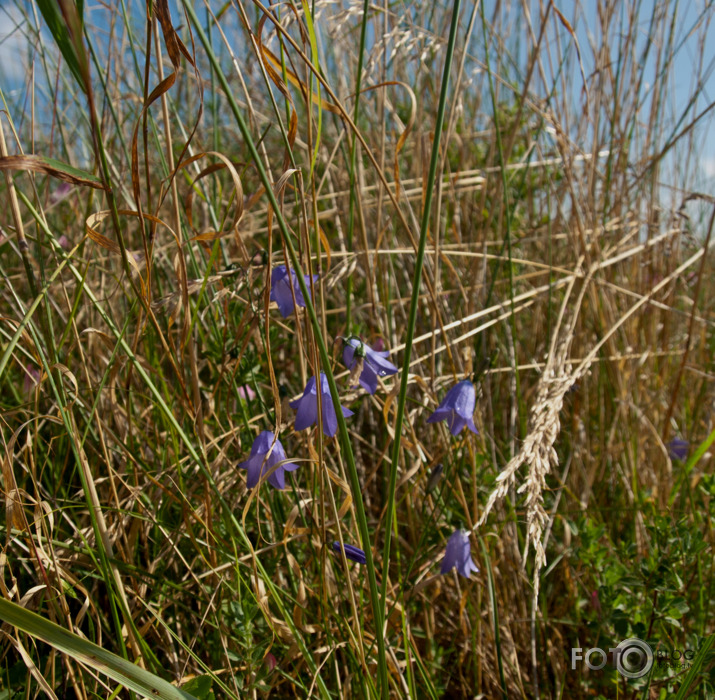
(281,284)
(457,408)
(678,449)
(458,554)
(435,477)
(351,552)
(261,463)
(31,380)
(374,363)
(307,407)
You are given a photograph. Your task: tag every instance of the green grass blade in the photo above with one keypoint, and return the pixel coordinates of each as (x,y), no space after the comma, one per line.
(89,654)
(412,318)
(495,616)
(695,669)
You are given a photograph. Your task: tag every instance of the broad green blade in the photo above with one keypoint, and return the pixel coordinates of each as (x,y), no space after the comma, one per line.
(120,670)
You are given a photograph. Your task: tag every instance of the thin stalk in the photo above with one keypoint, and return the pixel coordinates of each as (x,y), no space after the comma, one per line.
(353,166)
(507,216)
(495,616)
(322,349)
(179,432)
(412,319)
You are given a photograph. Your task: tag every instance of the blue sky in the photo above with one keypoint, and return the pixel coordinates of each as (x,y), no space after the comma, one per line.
(14,69)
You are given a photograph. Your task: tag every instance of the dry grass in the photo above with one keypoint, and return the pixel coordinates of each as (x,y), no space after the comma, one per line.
(567,267)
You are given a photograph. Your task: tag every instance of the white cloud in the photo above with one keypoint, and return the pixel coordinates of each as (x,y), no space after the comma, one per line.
(708,166)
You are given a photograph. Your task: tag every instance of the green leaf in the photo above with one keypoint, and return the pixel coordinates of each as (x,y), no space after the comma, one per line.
(50,166)
(89,654)
(695,669)
(200,687)
(68,39)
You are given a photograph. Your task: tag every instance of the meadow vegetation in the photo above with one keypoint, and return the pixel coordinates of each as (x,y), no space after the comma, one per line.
(221,221)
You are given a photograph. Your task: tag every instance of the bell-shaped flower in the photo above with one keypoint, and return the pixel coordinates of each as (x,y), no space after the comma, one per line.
(307,407)
(267,458)
(457,408)
(373,363)
(678,449)
(284,285)
(458,554)
(351,552)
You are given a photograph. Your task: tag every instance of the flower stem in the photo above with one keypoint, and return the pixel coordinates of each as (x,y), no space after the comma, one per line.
(412,318)
(377,609)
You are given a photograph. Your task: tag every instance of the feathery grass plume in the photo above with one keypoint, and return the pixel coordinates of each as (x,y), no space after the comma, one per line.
(537,449)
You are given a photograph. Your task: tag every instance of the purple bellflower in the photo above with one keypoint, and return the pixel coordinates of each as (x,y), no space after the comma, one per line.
(281,283)
(261,463)
(351,552)
(374,363)
(457,408)
(678,449)
(458,554)
(307,407)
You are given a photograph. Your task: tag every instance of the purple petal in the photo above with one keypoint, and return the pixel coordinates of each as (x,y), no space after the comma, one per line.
(440,414)
(277,274)
(253,465)
(260,463)
(263,443)
(467,567)
(299,298)
(452,553)
(351,552)
(307,412)
(349,356)
(456,424)
(380,365)
(309,389)
(678,449)
(330,420)
(465,398)
(368,379)
(277,479)
(281,294)
(458,554)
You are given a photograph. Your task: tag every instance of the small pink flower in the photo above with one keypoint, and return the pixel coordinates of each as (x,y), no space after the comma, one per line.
(60,193)
(64,242)
(378,345)
(271,661)
(32,379)
(245,392)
